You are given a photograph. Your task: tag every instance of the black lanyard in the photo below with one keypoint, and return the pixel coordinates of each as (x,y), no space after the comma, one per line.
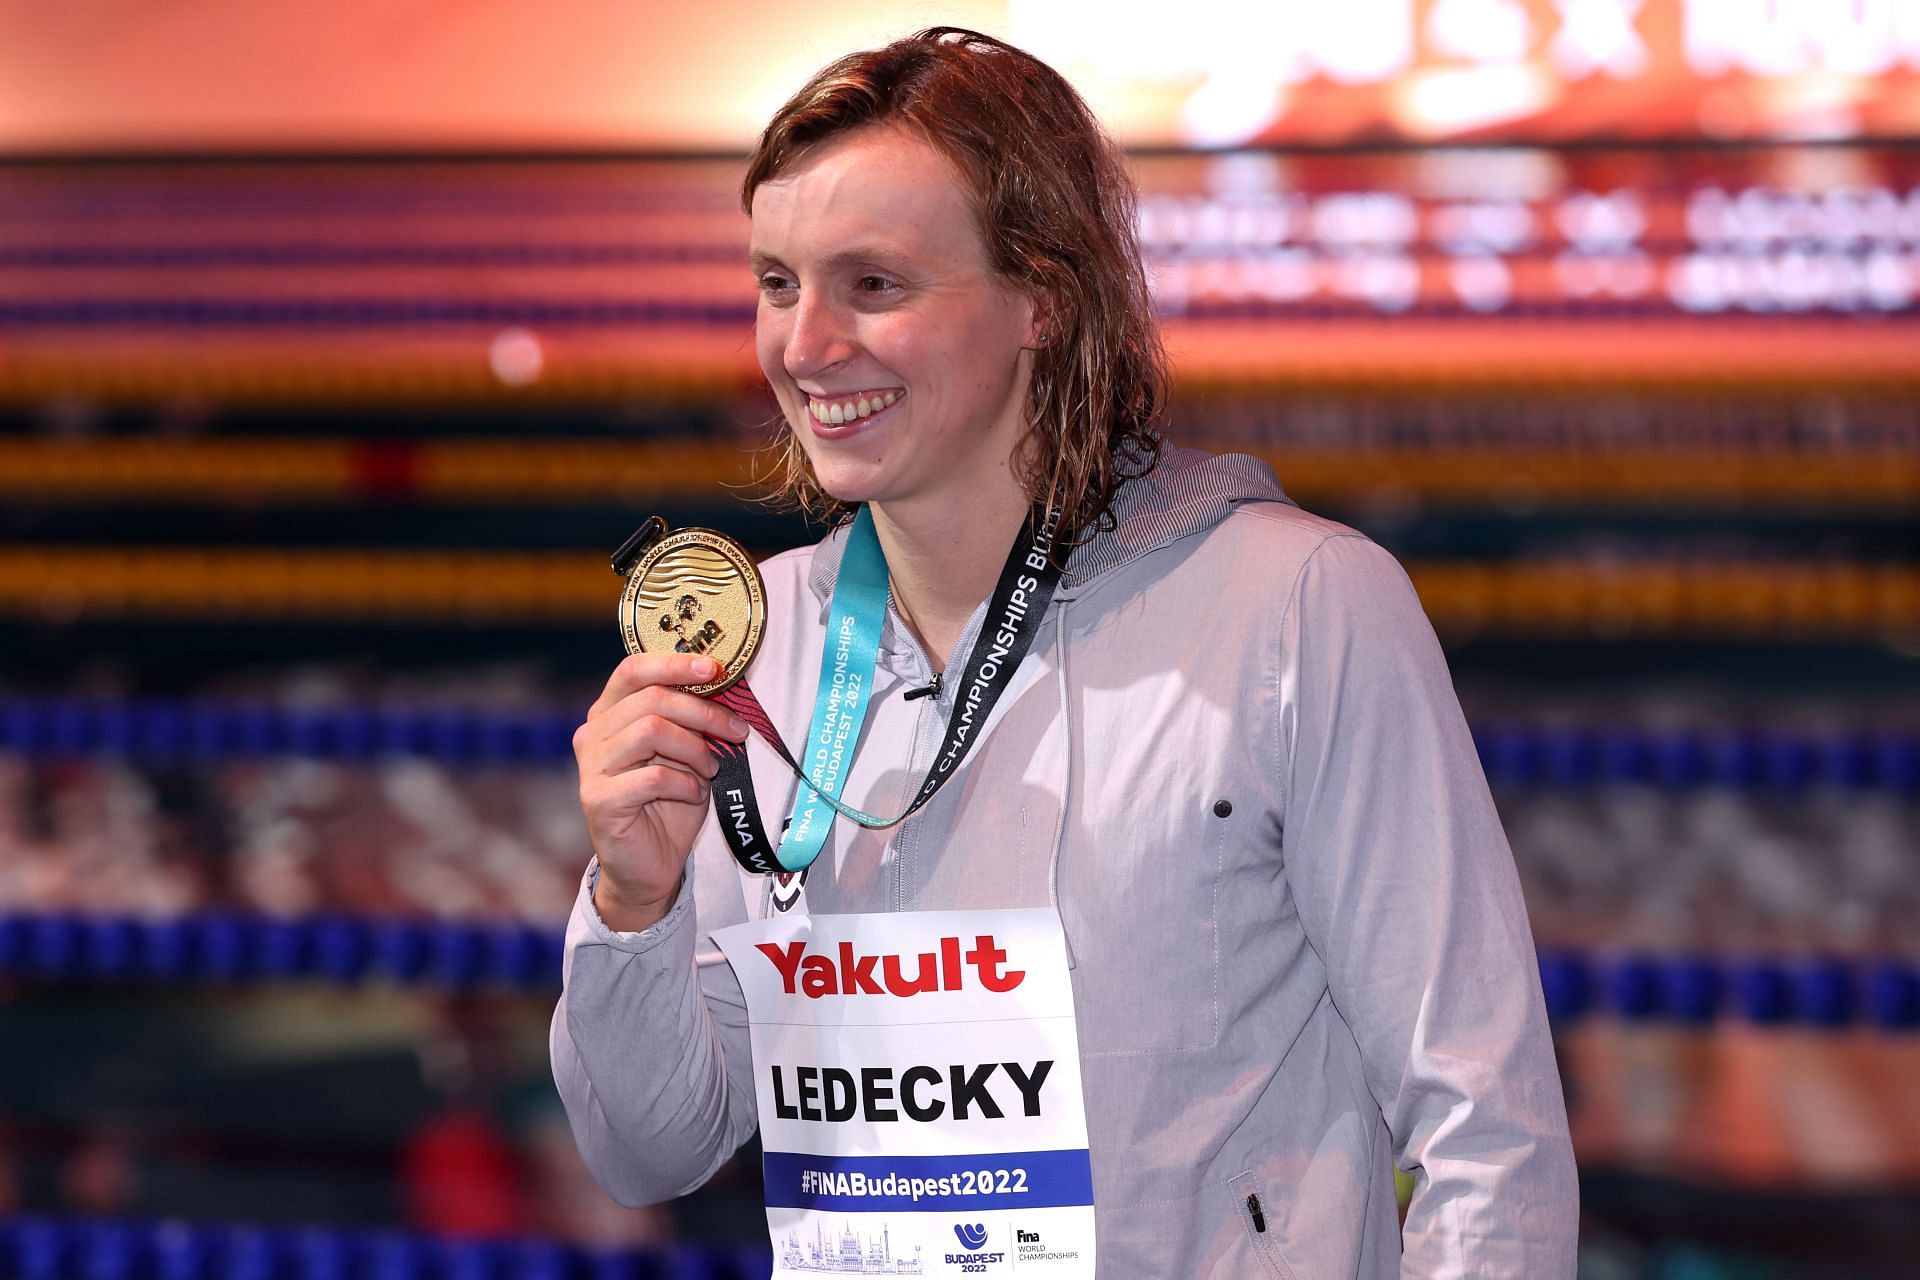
(1014,612)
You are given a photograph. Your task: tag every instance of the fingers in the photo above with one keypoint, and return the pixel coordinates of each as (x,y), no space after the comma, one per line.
(655,721)
(695,714)
(640,670)
(652,737)
(628,792)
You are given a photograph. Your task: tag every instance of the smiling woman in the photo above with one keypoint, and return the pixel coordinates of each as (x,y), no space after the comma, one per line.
(1049,208)
(1198,805)
(875,288)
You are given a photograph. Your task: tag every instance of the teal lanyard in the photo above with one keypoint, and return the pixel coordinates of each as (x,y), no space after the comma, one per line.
(847,665)
(848,662)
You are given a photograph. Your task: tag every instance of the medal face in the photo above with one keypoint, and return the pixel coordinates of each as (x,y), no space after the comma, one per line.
(696,591)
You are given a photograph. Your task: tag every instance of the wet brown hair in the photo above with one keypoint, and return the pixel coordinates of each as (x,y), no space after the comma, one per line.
(1056,205)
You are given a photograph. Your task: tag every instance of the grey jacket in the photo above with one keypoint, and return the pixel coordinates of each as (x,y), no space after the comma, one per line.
(1235,764)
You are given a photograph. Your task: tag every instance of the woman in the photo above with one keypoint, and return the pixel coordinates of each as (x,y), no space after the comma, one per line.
(1229,771)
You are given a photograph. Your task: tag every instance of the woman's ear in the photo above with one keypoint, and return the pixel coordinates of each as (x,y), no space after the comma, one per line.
(1043,324)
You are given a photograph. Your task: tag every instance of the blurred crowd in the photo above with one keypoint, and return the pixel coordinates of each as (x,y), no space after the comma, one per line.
(1662,835)
(288,836)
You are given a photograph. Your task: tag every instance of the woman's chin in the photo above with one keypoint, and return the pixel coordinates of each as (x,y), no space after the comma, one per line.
(851,485)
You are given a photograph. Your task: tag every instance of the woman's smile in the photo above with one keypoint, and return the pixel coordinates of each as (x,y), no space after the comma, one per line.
(849,410)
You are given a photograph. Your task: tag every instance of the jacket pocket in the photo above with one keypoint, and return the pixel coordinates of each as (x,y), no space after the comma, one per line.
(1262,1230)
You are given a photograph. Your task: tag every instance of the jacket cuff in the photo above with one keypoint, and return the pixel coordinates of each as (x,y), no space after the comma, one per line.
(587,926)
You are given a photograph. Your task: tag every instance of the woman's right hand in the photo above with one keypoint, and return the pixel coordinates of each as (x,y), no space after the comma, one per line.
(644,776)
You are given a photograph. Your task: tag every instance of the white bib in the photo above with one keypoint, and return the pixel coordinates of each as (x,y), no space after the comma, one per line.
(918,1082)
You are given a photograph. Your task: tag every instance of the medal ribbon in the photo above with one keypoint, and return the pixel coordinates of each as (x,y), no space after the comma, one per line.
(847,666)
(848,663)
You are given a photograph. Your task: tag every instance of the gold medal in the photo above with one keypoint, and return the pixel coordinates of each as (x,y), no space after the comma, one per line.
(691,591)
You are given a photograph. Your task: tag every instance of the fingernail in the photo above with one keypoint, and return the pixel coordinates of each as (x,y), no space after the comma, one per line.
(737,727)
(706,668)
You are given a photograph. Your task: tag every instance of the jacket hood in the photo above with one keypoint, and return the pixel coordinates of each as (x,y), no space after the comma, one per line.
(1187,492)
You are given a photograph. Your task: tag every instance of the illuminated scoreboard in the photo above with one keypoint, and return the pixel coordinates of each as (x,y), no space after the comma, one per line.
(1228,72)
(1807,230)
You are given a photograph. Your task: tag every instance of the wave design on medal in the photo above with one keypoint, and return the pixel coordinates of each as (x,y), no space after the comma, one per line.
(694,569)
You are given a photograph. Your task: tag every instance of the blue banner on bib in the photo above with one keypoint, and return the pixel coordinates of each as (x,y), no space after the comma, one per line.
(1006,1180)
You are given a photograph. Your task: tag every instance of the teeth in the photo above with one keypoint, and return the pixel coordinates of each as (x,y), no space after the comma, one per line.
(852,410)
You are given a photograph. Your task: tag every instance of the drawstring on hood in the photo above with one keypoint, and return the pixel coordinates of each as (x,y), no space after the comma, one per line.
(1066,731)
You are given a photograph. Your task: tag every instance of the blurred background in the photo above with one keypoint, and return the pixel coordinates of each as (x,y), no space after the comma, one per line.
(340,344)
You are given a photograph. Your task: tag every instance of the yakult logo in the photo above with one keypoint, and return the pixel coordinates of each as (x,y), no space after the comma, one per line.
(851,974)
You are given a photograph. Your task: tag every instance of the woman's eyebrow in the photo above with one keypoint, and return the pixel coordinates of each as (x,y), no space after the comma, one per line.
(840,260)
(862,255)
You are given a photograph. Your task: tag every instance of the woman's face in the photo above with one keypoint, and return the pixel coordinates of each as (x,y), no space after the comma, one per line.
(899,357)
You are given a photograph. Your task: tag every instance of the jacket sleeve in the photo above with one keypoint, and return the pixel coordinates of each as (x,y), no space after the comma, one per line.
(649,1044)
(1408,893)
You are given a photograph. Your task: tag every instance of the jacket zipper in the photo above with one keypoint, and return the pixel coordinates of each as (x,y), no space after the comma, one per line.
(1259,1235)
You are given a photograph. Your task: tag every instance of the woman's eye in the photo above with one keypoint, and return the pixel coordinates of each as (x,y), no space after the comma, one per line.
(876,284)
(775,283)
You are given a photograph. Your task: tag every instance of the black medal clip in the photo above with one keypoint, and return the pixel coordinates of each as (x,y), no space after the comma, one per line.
(636,546)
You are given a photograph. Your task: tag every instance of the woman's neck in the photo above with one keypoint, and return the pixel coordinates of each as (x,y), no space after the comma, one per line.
(943,563)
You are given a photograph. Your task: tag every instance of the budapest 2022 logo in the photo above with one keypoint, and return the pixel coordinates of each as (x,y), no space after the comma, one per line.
(972,1236)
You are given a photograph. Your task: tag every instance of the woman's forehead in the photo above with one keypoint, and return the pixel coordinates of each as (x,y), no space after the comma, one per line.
(872,188)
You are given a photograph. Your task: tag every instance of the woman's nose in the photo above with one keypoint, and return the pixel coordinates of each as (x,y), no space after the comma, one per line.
(819,338)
